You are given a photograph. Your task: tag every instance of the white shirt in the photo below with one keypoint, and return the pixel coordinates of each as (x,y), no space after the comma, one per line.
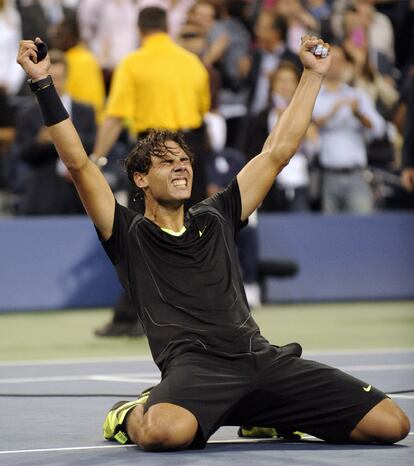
(343,138)
(109,28)
(11,74)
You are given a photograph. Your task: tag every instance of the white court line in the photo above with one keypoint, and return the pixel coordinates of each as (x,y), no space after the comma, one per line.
(359,351)
(378,367)
(132,379)
(51,362)
(128,378)
(100,447)
(402,396)
(47,450)
(46,362)
(145,376)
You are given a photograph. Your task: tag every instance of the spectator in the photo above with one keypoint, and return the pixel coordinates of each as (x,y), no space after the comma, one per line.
(407,175)
(345,116)
(11,77)
(203,14)
(40,17)
(228,50)
(193,37)
(222,169)
(404,35)
(85,81)
(291,189)
(160,85)
(319,9)
(365,76)
(178,101)
(109,30)
(270,50)
(379,28)
(298,19)
(356,41)
(177,11)
(48,188)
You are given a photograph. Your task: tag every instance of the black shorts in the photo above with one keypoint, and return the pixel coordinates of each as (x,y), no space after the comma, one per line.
(269,388)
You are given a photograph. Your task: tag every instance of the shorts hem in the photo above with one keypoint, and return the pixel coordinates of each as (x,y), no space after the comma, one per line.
(345,437)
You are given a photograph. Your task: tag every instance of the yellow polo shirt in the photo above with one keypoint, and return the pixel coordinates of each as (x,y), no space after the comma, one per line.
(160,85)
(85,80)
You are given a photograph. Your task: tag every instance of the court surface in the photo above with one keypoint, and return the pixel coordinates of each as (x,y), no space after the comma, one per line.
(52,412)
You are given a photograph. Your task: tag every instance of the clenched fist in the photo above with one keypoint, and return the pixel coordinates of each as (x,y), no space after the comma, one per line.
(27,59)
(314,54)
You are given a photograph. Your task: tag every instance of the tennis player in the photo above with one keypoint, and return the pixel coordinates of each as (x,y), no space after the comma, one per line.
(182,274)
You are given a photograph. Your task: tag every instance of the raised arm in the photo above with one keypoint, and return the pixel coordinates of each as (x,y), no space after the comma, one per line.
(257,177)
(94,191)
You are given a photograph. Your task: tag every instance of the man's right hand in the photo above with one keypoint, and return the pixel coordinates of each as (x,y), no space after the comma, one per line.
(27,59)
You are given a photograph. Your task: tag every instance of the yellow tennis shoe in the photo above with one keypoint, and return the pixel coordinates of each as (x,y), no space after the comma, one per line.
(268,432)
(113,426)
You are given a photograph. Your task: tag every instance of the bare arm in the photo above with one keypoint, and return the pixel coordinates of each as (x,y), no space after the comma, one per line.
(108,133)
(94,191)
(257,177)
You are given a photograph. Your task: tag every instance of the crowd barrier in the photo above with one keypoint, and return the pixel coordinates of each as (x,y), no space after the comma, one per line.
(341,257)
(57,263)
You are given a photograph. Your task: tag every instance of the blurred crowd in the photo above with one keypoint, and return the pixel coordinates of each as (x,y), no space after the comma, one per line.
(358,155)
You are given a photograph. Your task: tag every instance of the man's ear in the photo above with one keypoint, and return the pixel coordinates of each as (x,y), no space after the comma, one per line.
(140,180)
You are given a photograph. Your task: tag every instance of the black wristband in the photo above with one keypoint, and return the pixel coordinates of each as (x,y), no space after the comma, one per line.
(36,86)
(53,111)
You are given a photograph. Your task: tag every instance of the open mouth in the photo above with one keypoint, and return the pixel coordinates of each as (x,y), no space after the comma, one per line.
(179,182)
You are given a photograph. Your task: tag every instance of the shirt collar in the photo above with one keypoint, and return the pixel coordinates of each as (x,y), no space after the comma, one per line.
(157,38)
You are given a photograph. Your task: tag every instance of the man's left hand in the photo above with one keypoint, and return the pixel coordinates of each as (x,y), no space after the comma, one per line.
(314,54)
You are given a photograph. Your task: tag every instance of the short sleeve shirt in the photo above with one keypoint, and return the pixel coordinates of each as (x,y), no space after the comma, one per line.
(187,289)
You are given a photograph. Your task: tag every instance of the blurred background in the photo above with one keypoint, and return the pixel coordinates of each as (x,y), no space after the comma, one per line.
(328,259)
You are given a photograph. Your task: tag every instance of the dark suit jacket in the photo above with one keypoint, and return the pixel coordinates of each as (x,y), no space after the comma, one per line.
(34,20)
(46,192)
(257,56)
(408,146)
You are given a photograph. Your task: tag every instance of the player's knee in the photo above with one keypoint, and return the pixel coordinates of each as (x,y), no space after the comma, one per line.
(386,423)
(398,427)
(163,438)
(161,432)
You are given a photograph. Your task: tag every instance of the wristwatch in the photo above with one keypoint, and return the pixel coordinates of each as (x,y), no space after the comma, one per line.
(99,161)
(37,86)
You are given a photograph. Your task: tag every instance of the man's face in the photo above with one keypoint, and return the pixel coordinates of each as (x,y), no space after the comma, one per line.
(265,34)
(285,83)
(169,179)
(203,15)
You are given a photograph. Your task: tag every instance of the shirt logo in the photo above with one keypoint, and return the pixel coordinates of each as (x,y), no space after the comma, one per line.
(367,389)
(201,232)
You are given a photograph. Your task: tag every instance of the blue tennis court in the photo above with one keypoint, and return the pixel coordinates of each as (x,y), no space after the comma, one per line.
(53,411)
